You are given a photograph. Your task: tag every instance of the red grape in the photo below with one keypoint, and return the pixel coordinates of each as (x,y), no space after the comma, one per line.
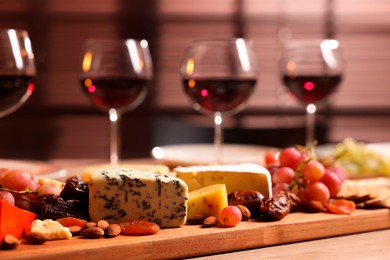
(313,171)
(231,216)
(332,181)
(340,172)
(3,172)
(283,175)
(317,191)
(33,184)
(16,180)
(280,187)
(270,159)
(291,157)
(7,196)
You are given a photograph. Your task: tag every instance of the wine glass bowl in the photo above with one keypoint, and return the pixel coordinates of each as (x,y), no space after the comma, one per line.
(17,70)
(312,71)
(219,76)
(116,75)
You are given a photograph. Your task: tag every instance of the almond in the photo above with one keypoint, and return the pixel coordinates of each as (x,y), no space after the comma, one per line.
(196,219)
(103,224)
(10,242)
(210,221)
(92,232)
(113,230)
(36,238)
(75,230)
(246,214)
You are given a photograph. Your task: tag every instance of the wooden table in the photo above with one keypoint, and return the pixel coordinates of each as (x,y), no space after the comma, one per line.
(364,235)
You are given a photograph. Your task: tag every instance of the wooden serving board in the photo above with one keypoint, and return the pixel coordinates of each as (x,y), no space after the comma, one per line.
(190,241)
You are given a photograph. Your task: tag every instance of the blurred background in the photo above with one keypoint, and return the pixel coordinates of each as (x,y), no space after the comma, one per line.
(59,121)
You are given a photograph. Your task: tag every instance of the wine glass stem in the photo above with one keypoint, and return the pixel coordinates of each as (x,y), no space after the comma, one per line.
(218,137)
(310,123)
(115,119)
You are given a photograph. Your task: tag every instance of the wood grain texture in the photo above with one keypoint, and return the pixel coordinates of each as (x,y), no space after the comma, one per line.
(190,241)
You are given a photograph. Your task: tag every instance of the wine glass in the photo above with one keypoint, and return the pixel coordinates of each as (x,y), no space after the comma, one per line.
(219,76)
(115,75)
(312,71)
(17,70)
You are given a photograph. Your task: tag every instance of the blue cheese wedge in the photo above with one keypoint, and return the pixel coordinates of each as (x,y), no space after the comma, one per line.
(120,194)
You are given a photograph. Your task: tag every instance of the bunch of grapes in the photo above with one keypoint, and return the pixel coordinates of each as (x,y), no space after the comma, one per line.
(17,187)
(297,169)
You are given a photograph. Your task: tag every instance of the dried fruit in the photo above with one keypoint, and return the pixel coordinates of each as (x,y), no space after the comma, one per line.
(340,206)
(72,221)
(276,207)
(251,199)
(138,227)
(314,206)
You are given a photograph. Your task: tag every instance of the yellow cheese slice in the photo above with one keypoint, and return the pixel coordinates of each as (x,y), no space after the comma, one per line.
(209,201)
(246,176)
(157,168)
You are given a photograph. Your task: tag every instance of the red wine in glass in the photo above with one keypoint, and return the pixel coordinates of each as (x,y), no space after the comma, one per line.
(123,94)
(17,69)
(219,95)
(311,69)
(14,89)
(311,89)
(115,75)
(219,76)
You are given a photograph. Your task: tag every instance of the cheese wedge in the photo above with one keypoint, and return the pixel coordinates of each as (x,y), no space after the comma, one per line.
(117,195)
(157,168)
(209,201)
(247,176)
(50,229)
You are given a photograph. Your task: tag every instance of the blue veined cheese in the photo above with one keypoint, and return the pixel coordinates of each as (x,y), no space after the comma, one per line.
(117,195)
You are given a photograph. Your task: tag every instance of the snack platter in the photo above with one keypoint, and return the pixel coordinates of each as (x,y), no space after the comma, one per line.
(193,240)
(160,195)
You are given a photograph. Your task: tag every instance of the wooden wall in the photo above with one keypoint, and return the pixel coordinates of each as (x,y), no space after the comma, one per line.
(59,121)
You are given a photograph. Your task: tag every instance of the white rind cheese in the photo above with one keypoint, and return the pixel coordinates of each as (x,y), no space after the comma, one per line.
(245,176)
(117,195)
